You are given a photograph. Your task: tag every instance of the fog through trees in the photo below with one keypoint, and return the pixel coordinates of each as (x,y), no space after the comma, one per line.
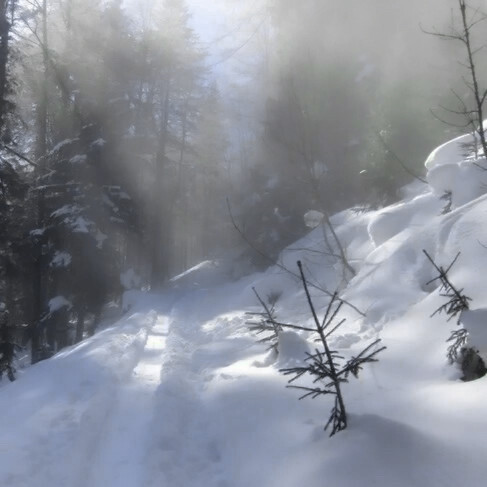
(137,135)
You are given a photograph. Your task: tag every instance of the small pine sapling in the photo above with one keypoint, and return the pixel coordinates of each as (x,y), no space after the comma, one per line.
(455,304)
(8,351)
(447,197)
(265,322)
(8,348)
(326,367)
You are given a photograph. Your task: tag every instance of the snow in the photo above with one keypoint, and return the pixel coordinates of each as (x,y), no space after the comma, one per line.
(292,349)
(178,392)
(78,159)
(100,238)
(81,225)
(454,168)
(57,303)
(313,218)
(466,181)
(62,405)
(204,274)
(69,210)
(450,152)
(129,279)
(38,232)
(62,144)
(394,219)
(98,143)
(61,259)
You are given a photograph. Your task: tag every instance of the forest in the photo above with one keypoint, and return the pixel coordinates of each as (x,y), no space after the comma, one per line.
(125,151)
(212,208)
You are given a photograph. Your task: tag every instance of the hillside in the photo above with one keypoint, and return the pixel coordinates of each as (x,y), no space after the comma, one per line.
(178,392)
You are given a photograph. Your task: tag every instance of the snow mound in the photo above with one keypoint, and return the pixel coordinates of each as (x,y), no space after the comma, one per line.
(394,219)
(465,181)
(451,152)
(292,348)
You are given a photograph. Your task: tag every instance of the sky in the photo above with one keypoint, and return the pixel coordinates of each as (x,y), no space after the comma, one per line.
(208,18)
(220,26)
(224,28)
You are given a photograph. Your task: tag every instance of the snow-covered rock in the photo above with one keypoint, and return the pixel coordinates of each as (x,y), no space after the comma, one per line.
(313,218)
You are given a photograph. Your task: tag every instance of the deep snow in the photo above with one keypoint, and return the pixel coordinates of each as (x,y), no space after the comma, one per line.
(179,393)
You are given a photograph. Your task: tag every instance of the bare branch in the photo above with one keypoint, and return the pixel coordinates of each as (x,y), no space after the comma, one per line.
(19,155)
(279,265)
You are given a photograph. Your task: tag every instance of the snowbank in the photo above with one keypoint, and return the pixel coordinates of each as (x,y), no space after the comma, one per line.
(465,181)
(451,152)
(53,414)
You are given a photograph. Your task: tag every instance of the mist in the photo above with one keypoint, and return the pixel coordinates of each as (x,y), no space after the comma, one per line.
(216,216)
(324,100)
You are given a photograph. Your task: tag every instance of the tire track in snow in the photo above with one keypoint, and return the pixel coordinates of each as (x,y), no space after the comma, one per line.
(118,456)
(184,449)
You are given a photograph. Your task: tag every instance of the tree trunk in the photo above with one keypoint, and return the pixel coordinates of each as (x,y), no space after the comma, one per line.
(4,52)
(161,221)
(40,153)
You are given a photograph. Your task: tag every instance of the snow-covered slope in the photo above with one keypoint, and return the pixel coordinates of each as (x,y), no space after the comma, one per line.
(179,393)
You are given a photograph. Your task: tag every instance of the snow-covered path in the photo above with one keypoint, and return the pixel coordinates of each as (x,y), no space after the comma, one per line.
(182,451)
(119,456)
(83,418)
(130,407)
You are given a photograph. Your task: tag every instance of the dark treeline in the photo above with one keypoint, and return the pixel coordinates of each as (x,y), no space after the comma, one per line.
(119,149)
(104,161)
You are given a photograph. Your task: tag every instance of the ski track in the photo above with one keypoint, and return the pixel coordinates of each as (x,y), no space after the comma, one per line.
(156,431)
(183,452)
(119,456)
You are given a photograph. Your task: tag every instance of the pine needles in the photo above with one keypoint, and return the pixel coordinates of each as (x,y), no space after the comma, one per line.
(455,304)
(265,322)
(326,367)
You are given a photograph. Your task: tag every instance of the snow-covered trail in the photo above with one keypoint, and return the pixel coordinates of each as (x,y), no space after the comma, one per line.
(84,418)
(170,436)
(182,450)
(156,427)
(119,455)
(157,432)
